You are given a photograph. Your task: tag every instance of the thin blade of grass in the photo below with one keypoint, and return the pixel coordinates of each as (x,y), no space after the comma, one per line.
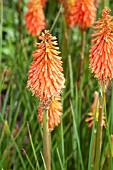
(16,114)
(30,163)
(6,99)
(62,141)
(108,135)
(62,138)
(43,160)
(33,148)
(91,143)
(71,76)
(15,144)
(10,145)
(77,137)
(60,161)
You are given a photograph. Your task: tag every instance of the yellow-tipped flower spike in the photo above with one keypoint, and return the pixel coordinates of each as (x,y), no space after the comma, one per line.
(34,17)
(69,11)
(45,77)
(91,114)
(101,52)
(85,13)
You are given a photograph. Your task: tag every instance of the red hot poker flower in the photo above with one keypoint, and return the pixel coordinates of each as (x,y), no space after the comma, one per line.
(85,13)
(34,17)
(45,77)
(69,11)
(53,113)
(101,52)
(95,110)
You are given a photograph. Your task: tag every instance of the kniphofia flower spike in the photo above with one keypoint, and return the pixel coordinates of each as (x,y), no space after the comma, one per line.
(101,52)
(34,17)
(69,11)
(85,13)
(45,77)
(94,110)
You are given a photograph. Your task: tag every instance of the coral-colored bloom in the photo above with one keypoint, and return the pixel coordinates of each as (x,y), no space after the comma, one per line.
(85,13)
(53,113)
(101,52)
(69,11)
(45,76)
(91,114)
(34,17)
(43,2)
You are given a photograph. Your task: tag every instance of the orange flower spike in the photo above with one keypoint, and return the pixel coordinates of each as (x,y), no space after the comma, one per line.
(69,10)
(54,112)
(85,13)
(45,77)
(101,52)
(91,114)
(34,17)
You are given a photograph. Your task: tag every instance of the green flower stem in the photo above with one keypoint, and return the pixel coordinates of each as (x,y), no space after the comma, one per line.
(82,55)
(82,44)
(46,142)
(93,147)
(56,18)
(99,131)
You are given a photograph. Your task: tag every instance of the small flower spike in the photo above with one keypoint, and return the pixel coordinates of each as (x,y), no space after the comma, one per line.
(45,77)
(94,109)
(101,52)
(34,17)
(85,13)
(53,113)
